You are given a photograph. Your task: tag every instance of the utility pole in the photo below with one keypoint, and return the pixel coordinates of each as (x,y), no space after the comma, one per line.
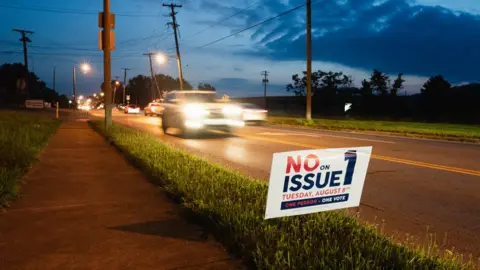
(24,39)
(54,68)
(115,87)
(74,89)
(124,82)
(265,82)
(175,26)
(154,79)
(308,115)
(106,20)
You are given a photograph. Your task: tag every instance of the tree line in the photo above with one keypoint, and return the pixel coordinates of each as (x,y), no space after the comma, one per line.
(381,97)
(13,94)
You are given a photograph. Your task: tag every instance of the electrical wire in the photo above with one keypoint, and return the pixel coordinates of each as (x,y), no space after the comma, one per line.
(255,25)
(72,11)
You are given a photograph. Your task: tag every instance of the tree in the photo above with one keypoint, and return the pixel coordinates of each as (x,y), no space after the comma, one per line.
(379,82)
(206,86)
(321,80)
(35,88)
(140,90)
(366,89)
(397,85)
(435,86)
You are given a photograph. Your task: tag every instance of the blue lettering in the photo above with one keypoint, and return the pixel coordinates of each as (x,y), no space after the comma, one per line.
(309,181)
(335,180)
(295,180)
(285,184)
(318,183)
(351,158)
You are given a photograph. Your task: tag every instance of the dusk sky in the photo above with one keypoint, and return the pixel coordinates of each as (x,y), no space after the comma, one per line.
(419,38)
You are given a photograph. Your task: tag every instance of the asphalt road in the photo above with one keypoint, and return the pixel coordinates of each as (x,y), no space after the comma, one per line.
(414,187)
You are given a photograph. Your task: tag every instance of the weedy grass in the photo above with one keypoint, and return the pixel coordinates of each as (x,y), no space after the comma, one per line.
(22,137)
(235,205)
(415,129)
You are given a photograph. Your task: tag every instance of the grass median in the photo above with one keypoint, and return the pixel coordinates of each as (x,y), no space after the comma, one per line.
(412,129)
(234,206)
(22,137)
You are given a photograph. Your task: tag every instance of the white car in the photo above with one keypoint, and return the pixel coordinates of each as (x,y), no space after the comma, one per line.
(253,113)
(132,109)
(197,110)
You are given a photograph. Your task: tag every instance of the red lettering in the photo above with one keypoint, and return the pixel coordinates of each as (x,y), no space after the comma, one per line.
(296,165)
(306,164)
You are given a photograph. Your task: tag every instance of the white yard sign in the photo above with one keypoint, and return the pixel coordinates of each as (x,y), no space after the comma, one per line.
(34,104)
(309,181)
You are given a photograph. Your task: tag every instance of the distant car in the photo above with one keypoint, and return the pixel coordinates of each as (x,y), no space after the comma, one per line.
(253,113)
(153,108)
(196,110)
(121,107)
(132,109)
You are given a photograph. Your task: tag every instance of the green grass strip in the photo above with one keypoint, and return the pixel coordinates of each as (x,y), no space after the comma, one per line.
(235,204)
(22,137)
(416,129)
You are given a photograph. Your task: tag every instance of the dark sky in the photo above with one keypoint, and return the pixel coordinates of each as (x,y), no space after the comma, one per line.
(418,38)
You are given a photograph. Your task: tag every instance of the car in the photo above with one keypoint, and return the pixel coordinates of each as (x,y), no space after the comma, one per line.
(132,109)
(153,108)
(253,113)
(198,110)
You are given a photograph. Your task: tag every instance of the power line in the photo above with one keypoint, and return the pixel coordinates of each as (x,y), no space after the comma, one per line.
(73,11)
(225,19)
(255,25)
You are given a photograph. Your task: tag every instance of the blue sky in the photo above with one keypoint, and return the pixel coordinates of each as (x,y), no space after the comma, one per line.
(418,38)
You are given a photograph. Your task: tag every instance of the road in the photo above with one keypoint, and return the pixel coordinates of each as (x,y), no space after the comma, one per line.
(413,186)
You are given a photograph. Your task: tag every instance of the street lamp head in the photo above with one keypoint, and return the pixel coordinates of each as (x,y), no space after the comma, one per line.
(85,67)
(102,94)
(160,58)
(117,83)
(95,94)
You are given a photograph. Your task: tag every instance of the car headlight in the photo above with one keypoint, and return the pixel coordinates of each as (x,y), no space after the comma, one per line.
(232,110)
(194,110)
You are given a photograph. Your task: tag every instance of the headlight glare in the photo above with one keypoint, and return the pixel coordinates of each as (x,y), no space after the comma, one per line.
(194,110)
(232,110)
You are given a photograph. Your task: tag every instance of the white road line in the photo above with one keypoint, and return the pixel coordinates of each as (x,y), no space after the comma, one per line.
(320,135)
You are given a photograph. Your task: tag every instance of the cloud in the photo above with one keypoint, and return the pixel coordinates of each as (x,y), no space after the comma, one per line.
(239,87)
(390,35)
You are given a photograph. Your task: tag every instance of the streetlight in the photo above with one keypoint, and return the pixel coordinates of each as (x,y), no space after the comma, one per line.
(80,97)
(85,67)
(94,94)
(160,58)
(102,94)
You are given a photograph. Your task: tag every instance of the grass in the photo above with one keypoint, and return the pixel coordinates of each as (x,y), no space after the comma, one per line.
(414,129)
(22,137)
(233,206)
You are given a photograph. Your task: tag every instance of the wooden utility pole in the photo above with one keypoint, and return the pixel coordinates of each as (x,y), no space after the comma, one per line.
(154,79)
(308,114)
(175,26)
(265,82)
(124,82)
(54,68)
(74,89)
(24,39)
(107,22)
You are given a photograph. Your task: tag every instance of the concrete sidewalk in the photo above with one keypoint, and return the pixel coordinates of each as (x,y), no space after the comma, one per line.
(82,206)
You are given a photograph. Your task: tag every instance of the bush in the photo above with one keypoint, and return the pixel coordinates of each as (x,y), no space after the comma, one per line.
(235,204)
